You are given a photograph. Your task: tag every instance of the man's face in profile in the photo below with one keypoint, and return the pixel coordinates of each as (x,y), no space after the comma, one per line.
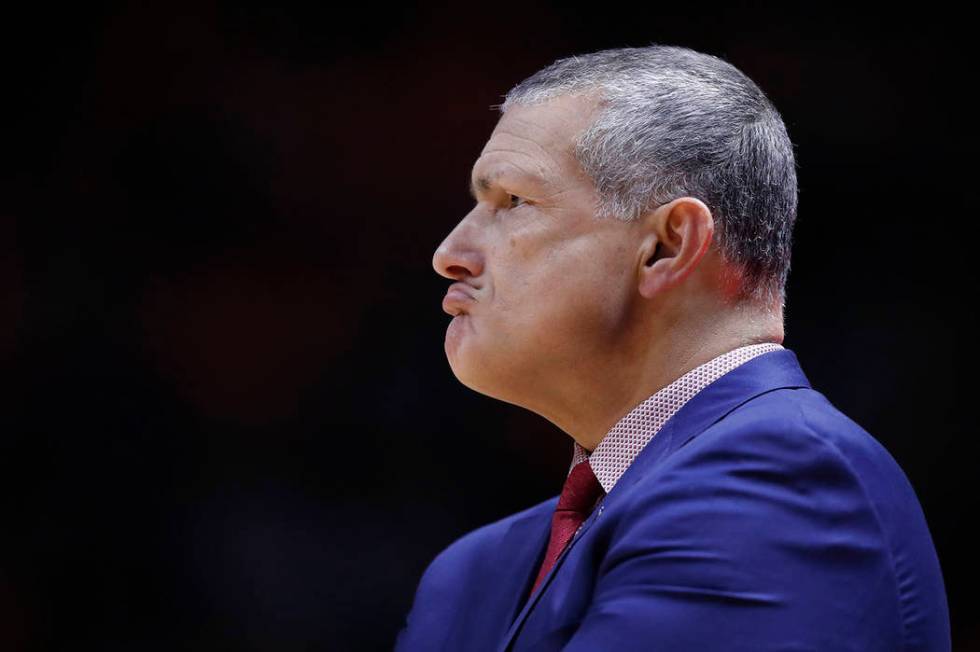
(542,286)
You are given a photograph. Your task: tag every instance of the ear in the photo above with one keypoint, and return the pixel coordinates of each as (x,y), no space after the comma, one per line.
(676,237)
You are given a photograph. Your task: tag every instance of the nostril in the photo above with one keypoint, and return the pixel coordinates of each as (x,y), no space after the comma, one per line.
(456,271)
(457,264)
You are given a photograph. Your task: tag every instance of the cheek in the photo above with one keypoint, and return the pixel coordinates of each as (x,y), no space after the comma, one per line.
(589,297)
(573,303)
(557,287)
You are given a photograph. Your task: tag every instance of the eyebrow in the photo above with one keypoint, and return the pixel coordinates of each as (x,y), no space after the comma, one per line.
(484,181)
(481,184)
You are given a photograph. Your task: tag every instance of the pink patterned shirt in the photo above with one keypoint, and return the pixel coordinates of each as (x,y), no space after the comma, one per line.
(624,441)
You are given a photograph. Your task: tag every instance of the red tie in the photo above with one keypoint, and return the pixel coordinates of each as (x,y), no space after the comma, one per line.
(579,495)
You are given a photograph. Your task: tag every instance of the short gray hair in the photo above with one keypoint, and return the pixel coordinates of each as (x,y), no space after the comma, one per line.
(676,123)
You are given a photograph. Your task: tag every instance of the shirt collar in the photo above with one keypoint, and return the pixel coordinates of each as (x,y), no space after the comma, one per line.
(624,441)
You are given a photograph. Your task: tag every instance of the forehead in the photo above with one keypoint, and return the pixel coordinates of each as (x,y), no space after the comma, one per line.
(537,140)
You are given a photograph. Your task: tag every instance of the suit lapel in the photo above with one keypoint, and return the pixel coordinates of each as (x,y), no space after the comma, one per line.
(521,551)
(770,371)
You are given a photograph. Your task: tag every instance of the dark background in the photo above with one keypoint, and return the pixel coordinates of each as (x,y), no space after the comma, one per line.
(228,420)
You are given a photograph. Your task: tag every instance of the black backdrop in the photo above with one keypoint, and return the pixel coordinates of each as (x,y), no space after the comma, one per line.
(228,421)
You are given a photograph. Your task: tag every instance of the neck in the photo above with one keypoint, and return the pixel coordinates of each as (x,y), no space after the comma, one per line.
(656,355)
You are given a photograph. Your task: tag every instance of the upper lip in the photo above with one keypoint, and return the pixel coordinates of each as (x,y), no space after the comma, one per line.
(454,305)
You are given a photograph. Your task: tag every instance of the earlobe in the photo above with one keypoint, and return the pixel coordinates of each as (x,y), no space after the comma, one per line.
(655,275)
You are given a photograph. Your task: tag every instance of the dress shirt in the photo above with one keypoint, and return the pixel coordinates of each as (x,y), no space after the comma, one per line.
(624,441)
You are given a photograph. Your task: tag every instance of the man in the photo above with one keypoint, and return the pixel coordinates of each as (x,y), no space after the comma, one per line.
(622,274)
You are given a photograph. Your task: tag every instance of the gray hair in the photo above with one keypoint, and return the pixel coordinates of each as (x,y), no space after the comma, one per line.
(676,123)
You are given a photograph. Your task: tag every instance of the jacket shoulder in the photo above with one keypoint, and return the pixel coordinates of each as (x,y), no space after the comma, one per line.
(780,516)
(445,590)
(848,485)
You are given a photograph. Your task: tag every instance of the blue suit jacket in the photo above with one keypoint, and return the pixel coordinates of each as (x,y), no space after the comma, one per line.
(760,517)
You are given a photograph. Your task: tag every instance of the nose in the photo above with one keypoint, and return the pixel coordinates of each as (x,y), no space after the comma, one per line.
(457,256)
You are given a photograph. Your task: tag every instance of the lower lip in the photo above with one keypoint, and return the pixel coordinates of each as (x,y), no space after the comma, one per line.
(454,298)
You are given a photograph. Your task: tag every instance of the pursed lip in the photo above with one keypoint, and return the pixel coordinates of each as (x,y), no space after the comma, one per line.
(458,297)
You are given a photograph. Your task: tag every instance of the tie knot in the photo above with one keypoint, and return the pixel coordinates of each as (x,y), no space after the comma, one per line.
(581,489)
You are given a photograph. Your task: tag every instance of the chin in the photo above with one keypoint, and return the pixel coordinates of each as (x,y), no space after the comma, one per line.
(479,377)
(469,369)
(467,372)
(480,368)
(463,360)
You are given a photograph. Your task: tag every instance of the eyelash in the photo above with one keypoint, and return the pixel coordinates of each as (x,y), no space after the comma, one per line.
(523,201)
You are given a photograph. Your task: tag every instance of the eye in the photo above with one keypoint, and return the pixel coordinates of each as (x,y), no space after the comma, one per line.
(516,200)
